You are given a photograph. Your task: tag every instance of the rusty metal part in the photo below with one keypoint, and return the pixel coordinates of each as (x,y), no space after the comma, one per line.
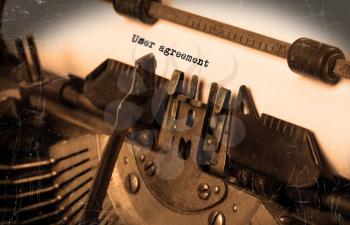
(132,183)
(145,66)
(342,68)
(176,159)
(144,208)
(216,218)
(56,183)
(213,151)
(219,29)
(301,167)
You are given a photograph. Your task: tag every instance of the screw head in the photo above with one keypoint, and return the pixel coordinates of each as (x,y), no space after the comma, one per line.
(285,219)
(142,158)
(204,191)
(232,180)
(146,137)
(150,168)
(126,160)
(216,218)
(132,183)
(216,189)
(235,208)
(209,141)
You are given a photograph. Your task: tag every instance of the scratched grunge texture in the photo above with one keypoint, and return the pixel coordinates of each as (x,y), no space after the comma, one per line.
(328,20)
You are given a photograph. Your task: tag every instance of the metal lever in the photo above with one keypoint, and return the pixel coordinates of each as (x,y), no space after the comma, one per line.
(112,149)
(215,132)
(103,177)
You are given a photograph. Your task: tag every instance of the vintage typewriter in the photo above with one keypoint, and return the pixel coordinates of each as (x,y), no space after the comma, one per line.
(126,146)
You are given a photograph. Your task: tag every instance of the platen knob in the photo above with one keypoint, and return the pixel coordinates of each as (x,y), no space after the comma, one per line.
(313,58)
(135,8)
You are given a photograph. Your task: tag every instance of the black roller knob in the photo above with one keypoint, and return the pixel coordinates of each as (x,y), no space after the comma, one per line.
(309,57)
(135,8)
